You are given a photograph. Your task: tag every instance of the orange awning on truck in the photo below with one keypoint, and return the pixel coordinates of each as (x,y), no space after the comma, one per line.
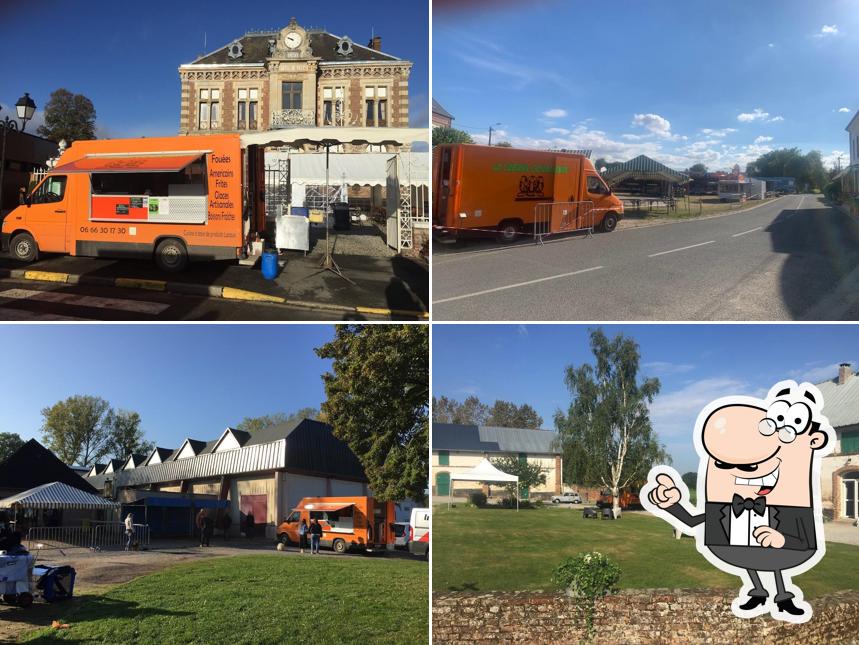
(142,163)
(324,506)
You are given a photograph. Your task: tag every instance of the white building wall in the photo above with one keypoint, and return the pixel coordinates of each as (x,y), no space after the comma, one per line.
(460,462)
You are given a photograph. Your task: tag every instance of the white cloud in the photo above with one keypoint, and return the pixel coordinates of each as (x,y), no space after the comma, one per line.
(555,113)
(814,372)
(655,124)
(710,132)
(832,159)
(762,139)
(827,30)
(522,330)
(776,118)
(770,45)
(673,413)
(665,368)
(557,131)
(757,115)
(844,109)
(634,137)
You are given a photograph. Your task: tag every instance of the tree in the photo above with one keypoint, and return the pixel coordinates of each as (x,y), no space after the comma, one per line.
(530,474)
(68,116)
(509,415)
(504,144)
(600,163)
(255,424)
(606,436)
(378,403)
(698,169)
(450,135)
(10,443)
(690,479)
(807,169)
(77,429)
(469,412)
(124,434)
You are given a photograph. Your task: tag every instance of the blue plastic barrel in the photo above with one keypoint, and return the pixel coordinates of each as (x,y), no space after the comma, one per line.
(269,265)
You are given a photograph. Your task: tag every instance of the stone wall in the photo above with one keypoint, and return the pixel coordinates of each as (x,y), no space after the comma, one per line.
(652,616)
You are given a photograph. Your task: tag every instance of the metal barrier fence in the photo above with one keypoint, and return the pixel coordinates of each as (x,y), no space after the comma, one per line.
(563,217)
(100,535)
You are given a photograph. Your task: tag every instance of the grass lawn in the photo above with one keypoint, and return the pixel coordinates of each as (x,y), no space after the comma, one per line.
(258,599)
(693,206)
(499,549)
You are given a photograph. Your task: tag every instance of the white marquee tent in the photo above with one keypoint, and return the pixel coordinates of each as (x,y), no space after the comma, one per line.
(483,472)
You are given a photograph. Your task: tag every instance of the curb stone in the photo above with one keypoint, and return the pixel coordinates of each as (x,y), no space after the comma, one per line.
(191,289)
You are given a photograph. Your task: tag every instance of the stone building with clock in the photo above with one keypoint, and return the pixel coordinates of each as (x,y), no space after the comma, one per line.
(294,77)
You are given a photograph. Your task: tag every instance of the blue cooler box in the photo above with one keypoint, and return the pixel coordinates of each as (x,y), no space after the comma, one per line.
(55,583)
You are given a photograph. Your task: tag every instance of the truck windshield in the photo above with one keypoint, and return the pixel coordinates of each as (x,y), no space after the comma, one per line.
(49,191)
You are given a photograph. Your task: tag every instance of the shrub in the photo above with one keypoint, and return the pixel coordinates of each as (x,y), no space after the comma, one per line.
(832,191)
(510,502)
(478,499)
(586,577)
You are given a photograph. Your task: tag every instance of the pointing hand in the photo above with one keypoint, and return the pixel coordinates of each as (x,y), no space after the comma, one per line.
(665,493)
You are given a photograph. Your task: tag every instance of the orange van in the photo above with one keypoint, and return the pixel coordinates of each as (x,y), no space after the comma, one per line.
(347,522)
(493,191)
(173,199)
(628,499)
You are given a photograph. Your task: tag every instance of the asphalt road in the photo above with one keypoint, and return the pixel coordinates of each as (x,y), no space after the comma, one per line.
(29,301)
(791,259)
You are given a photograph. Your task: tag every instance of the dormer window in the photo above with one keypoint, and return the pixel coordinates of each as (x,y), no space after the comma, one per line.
(234,49)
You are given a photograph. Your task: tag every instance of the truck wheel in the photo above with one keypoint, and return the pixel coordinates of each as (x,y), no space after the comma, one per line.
(339,546)
(171,256)
(25,599)
(508,231)
(24,248)
(609,222)
(556,501)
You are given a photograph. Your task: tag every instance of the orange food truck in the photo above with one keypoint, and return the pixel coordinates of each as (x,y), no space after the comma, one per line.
(173,199)
(493,191)
(347,522)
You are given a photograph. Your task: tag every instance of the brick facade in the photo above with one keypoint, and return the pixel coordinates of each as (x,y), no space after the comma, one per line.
(640,616)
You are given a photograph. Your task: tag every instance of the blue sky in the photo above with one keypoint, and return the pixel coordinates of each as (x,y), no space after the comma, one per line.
(125,55)
(184,380)
(683,82)
(695,364)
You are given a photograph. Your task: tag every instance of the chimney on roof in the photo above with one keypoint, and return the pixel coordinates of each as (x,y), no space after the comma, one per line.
(845,371)
(375,43)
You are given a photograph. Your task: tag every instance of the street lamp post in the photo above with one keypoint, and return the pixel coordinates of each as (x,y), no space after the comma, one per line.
(491,127)
(25,108)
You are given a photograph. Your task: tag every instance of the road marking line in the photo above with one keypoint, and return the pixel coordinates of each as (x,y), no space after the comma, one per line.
(513,286)
(682,248)
(46,276)
(749,231)
(23,314)
(80,300)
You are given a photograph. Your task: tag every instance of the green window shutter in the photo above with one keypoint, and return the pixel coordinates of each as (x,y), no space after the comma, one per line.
(523,457)
(442,484)
(850,442)
(443,458)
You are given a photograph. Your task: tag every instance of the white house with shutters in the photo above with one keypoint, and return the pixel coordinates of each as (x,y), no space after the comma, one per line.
(840,470)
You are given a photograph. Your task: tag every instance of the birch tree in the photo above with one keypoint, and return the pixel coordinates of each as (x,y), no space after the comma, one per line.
(606,436)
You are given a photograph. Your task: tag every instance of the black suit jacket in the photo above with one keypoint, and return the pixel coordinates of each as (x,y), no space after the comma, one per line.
(794,522)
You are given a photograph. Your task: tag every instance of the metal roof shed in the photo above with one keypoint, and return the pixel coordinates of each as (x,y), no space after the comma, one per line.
(643,169)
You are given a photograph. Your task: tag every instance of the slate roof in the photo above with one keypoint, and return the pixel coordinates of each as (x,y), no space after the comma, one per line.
(323,45)
(841,402)
(33,465)
(471,438)
(438,109)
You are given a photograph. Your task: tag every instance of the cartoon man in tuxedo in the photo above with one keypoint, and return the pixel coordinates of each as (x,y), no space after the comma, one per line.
(758,493)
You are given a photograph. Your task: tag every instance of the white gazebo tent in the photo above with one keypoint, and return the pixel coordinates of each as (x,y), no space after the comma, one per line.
(57,495)
(326,137)
(484,472)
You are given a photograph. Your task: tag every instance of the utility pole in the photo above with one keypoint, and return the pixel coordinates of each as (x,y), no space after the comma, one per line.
(490,132)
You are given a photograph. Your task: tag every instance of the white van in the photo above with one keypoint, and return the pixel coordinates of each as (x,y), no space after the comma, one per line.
(419,532)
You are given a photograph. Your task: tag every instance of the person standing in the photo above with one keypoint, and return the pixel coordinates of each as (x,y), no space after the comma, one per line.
(315,535)
(227,522)
(199,524)
(208,529)
(249,524)
(129,531)
(302,535)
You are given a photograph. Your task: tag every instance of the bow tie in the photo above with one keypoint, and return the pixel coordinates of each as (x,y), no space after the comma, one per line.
(739,504)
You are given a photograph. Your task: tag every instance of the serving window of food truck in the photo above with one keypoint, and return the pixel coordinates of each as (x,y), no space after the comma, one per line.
(163,188)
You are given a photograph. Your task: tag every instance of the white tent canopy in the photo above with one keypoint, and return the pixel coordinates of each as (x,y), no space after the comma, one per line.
(363,169)
(335,136)
(56,495)
(484,472)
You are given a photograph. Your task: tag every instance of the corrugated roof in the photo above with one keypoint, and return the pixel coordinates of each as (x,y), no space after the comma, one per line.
(438,109)
(305,446)
(323,45)
(56,495)
(642,166)
(449,436)
(841,402)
